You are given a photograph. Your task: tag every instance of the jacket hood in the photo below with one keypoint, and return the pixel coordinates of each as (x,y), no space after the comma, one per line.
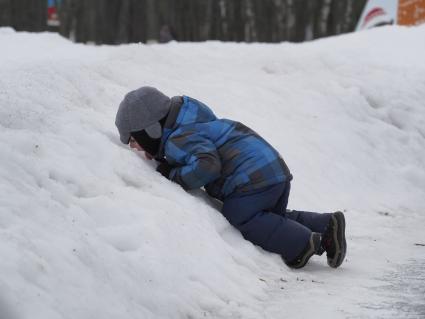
(194,111)
(184,110)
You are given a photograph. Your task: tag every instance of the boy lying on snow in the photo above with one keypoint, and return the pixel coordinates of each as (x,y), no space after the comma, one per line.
(235,165)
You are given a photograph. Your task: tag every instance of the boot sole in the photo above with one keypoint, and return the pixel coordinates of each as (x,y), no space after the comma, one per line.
(339,240)
(306,256)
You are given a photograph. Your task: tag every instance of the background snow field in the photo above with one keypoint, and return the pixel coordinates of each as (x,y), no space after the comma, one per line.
(88,229)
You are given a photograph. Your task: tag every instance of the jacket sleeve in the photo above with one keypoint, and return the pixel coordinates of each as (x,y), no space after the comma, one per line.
(195,159)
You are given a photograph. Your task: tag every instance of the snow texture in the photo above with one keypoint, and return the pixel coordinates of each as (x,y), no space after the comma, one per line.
(88,229)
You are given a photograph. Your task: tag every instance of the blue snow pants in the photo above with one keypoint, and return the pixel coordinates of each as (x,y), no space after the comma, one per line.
(262,218)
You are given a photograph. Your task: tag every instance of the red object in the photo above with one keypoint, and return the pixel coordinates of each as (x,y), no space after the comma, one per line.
(51,13)
(375,12)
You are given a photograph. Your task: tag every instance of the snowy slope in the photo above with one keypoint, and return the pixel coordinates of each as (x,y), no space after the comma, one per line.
(88,229)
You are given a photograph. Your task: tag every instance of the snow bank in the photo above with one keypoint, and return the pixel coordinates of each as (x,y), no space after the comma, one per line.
(89,229)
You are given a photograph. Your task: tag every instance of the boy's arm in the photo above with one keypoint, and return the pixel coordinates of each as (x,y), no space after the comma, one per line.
(197,159)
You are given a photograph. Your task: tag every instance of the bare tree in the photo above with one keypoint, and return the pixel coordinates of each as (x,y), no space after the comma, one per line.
(24,15)
(120,21)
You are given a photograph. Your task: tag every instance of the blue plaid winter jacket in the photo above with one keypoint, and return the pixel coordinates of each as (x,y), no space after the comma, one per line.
(223,155)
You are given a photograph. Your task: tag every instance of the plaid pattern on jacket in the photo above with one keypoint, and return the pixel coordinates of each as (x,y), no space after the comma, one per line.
(223,155)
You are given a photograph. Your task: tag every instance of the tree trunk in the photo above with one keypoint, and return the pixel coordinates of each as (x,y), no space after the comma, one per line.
(24,15)
(121,21)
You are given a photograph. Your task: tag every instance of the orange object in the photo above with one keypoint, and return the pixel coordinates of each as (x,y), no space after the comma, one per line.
(411,12)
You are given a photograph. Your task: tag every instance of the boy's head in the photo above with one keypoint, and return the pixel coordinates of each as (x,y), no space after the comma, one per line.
(139,116)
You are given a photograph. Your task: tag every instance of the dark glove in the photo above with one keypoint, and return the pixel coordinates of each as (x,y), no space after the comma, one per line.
(164,168)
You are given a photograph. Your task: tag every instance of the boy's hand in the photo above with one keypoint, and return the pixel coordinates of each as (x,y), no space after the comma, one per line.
(164,168)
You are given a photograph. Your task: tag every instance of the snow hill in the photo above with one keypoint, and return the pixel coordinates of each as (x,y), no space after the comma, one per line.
(88,229)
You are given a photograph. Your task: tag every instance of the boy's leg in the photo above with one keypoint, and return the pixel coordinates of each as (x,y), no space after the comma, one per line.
(251,214)
(330,225)
(316,222)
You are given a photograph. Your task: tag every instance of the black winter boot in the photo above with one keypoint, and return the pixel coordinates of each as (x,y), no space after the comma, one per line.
(313,247)
(333,241)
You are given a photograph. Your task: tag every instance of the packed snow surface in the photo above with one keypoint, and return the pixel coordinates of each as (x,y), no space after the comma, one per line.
(88,229)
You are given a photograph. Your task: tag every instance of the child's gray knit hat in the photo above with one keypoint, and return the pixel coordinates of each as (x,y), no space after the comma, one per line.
(142,109)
